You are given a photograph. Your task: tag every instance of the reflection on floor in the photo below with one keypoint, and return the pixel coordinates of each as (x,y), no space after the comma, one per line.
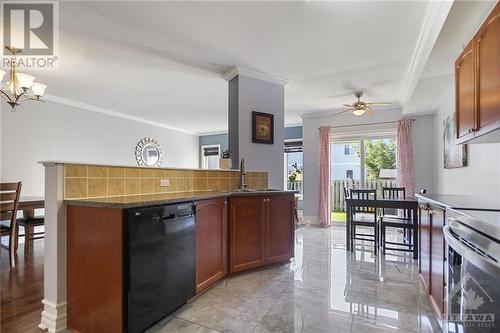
(324,289)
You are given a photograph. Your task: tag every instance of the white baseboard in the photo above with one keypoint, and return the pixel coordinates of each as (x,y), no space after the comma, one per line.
(54,317)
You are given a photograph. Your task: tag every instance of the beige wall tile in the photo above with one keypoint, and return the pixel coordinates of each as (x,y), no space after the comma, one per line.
(181,184)
(170,173)
(147,173)
(97,171)
(116,172)
(132,185)
(200,174)
(132,172)
(200,184)
(98,187)
(116,186)
(74,170)
(213,174)
(147,185)
(213,184)
(159,173)
(75,188)
(264,182)
(190,184)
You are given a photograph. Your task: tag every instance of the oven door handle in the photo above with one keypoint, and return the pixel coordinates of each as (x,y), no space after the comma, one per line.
(482,262)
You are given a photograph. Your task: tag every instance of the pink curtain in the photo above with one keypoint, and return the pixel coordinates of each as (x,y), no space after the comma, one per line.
(324,177)
(404,162)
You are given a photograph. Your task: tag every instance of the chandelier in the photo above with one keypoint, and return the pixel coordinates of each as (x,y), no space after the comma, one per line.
(20,87)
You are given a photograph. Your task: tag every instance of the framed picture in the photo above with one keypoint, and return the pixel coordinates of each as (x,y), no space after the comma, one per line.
(455,156)
(262,127)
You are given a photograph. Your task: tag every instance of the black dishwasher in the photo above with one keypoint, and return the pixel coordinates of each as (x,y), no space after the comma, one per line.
(160,262)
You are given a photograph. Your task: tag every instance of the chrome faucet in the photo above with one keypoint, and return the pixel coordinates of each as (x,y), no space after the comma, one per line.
(242,175)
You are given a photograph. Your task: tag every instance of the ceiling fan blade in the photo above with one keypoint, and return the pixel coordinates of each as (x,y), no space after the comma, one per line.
(348,105)
(379,103)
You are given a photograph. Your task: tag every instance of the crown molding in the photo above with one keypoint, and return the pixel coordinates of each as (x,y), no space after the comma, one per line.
(108,112)
(435,17)
(237,70)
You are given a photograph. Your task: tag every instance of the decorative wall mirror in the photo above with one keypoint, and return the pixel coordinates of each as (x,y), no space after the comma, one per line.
(148,153)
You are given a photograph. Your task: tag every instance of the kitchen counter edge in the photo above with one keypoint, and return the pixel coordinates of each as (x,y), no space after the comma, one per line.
(102,203)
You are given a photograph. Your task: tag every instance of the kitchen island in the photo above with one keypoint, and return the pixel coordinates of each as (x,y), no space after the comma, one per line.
(235,231)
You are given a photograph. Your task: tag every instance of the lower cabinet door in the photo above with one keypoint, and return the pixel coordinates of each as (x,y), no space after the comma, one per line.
(424,258)
(437,259)
(280,228)
(211,242)
(247,228)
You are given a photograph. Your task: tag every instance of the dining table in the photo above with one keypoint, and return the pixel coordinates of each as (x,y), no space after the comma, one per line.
(407,204)
(28,204)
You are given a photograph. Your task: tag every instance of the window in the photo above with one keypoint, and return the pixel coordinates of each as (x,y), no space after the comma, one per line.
(348,174)
(347,149)
(210,156)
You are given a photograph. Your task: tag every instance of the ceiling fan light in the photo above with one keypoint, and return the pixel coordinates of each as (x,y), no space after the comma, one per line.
(24,80)
(38,89)
(359,112)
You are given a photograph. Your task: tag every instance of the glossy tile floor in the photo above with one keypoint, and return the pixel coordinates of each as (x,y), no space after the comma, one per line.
(324,289)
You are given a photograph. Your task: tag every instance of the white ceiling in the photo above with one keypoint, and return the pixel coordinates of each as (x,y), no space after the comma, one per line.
(162,61)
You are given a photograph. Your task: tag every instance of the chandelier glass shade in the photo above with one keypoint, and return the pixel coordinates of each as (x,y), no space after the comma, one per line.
(19,87)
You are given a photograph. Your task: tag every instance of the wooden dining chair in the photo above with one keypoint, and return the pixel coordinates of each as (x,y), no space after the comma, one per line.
(396,219)
(9,201)
(364,217)
(30,235)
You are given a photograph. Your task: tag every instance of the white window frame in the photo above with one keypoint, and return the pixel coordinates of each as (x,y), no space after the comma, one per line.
(203,159)
(361,138)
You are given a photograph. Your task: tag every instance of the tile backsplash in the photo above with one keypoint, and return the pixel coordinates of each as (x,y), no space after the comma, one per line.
(92,181)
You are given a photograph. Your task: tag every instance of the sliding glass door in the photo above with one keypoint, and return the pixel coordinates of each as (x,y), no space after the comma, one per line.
(360,162)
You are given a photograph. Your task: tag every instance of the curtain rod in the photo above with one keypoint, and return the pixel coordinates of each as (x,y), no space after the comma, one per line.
(379,123)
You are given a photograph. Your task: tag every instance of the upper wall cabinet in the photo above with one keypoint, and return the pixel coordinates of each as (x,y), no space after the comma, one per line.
(477,77)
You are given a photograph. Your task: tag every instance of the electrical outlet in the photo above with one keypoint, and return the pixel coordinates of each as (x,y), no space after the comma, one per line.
(164,182)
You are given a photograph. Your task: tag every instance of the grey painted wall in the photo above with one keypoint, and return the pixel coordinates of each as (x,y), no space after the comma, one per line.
(233,124)
(214,139)
(294,132)
(263,96)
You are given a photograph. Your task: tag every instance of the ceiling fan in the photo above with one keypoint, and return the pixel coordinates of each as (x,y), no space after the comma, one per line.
(360,107)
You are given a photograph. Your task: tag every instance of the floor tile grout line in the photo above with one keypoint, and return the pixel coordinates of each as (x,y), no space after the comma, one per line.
(193,322)
(265,314)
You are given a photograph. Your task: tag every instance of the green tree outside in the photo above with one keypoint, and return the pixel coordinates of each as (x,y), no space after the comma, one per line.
(378,155)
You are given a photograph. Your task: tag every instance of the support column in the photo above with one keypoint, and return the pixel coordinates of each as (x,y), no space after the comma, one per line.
(54,301)
(250,91)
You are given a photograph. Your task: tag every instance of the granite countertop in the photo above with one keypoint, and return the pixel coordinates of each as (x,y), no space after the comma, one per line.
(466,202)
(167,198)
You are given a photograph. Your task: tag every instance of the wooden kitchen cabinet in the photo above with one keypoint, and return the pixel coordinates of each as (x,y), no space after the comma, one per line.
(280,229)
(477,79)
(211,242)
(487,46)
(261,231)
(248,220)
(432,257)
(465,93)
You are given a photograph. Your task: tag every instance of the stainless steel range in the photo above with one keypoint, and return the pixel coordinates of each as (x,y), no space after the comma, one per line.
(473,274)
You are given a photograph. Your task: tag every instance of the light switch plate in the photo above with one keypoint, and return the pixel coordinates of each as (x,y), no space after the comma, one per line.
(164,182)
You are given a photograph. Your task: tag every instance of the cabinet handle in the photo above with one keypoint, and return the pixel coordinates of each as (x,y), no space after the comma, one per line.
(225,203)
(264,200)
